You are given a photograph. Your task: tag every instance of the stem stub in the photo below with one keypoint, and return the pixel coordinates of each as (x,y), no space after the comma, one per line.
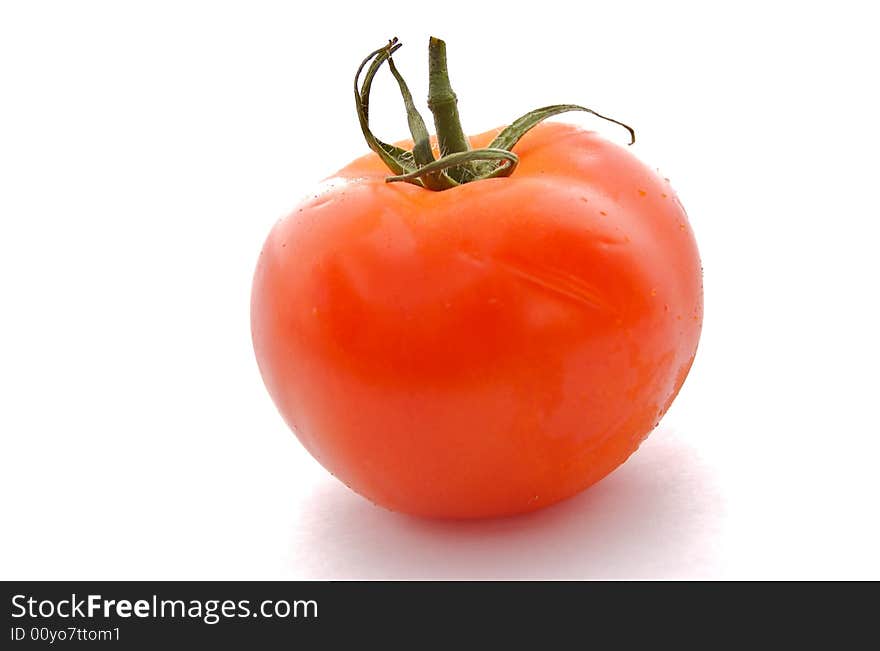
(458,163)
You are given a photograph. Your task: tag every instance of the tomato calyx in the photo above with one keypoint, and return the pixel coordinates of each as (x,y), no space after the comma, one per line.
(458,163)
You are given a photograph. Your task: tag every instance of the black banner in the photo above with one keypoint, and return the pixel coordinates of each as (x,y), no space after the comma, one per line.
(409,614)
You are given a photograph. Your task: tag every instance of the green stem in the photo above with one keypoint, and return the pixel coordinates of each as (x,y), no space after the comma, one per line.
(443,102)
(422,153)
(458,163)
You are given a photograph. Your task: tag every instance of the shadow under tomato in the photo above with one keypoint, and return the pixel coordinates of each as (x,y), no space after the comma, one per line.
(656,516)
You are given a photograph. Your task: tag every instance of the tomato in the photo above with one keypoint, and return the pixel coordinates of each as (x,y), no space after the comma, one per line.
(488,349)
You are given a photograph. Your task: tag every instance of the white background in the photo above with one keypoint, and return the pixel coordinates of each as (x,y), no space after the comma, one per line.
(147,148)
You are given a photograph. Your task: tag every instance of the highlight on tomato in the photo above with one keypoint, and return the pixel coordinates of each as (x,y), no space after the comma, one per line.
(465,327)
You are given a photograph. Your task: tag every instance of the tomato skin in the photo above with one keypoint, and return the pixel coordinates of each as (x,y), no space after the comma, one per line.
(489,349)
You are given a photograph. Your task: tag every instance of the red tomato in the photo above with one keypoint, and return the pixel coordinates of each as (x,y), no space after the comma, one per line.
(485,350)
